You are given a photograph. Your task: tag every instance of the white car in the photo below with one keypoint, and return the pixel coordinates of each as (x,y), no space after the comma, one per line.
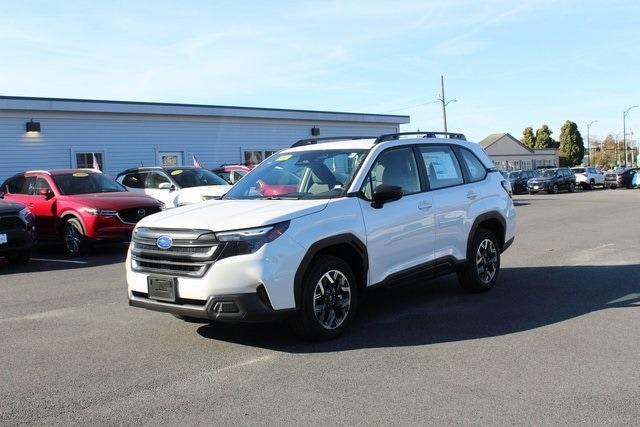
(174,186)
(588,177)
(366,212)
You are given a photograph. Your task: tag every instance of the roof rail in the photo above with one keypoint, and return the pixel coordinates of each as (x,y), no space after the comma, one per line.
(38,171)
(310,141)
(427,134)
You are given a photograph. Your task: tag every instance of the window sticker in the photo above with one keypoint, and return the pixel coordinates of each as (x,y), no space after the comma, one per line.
(442,164)
(283,157)
(176,172)
(80,174)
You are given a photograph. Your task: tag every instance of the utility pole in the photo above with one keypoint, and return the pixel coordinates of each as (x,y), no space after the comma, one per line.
(624,131)
(444,102)
(589,144)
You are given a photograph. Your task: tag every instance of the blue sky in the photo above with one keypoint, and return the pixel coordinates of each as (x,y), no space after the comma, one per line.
(510,64)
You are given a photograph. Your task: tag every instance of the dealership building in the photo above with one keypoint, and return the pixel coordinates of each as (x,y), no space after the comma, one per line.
(51,133)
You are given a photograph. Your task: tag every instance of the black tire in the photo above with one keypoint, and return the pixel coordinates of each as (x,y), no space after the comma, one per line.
(482,268)
(572,187)
(532,192)
(73,238)
(592,185)
(554,189)
(19,257)
(306,323)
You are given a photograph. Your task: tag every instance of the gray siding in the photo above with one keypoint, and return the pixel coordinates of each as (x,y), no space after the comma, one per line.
(129,140)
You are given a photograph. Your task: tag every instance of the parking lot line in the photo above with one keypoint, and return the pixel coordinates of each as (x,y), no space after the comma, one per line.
(60,260)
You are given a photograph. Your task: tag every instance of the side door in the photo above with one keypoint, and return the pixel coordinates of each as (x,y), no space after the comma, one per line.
(157,184)
(451,198)
(43,206)
(401,233)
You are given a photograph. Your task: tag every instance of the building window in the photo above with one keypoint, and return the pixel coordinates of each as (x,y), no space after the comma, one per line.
(253,157)
(85,160)
(170,159)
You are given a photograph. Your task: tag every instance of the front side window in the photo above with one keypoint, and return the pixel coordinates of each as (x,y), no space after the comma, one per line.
(154,179)
(442,166)
(396,167)
(85,183)
(196,177)
(317,174)
(134,180)
(477,171)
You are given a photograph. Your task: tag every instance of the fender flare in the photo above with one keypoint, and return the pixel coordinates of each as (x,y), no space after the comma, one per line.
(346,238)
(75,216)
(480,219)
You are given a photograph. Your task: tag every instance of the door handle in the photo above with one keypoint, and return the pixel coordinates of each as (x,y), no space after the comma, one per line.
(424,205)
(471,195)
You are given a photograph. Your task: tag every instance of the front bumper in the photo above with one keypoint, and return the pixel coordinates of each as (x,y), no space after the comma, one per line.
(226,308)
(17,240)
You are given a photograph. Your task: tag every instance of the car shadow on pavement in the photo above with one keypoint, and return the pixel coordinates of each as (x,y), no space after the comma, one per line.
(51,257)
(439,311)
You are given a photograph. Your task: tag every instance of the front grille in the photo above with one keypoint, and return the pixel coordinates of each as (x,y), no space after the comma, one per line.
(191,253)
(133,215)
(11,223)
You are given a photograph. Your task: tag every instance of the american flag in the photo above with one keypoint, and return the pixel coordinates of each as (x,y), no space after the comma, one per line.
(196,162)
(96,165)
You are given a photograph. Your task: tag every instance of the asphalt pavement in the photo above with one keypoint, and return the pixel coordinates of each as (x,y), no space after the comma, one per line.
(556,341)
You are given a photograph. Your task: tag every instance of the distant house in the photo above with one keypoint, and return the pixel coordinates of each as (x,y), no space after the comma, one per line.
(508,153)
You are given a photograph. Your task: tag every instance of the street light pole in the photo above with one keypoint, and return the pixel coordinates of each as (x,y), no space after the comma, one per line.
(444,102)
(589,143)
(624,131)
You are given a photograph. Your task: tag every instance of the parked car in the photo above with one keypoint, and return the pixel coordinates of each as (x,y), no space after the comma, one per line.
(79,206)
(231,173)
(552,181)
(364,212)
(17,232)
(620,178)
(519,178)
(588,177)
(174,186)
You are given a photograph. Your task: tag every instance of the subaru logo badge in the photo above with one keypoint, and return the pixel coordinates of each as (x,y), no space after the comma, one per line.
(164,242)
(141,213)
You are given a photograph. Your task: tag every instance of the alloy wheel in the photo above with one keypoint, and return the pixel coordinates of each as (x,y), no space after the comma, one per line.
(332,299)
(486,260)
(72,238)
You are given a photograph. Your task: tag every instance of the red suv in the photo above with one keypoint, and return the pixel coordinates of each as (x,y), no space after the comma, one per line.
(79,206)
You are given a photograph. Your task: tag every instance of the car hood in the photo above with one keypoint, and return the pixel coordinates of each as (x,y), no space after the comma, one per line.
(221,215)
(116,200)
(10,207)
(206,190)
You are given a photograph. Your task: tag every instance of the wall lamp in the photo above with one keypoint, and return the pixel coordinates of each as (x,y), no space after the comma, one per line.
(315,131)
(33,126)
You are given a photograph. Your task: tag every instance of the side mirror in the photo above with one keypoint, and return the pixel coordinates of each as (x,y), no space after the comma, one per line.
(384,194)
(166,186)
(46,193)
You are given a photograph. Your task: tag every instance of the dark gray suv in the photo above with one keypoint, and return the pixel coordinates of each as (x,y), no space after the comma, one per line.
(552,181)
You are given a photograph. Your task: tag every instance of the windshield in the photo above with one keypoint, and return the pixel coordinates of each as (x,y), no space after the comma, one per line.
(195,177)
(514,175)
(85,183)
(548,173)
(317,174)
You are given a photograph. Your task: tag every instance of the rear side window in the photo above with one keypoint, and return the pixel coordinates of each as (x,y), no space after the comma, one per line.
(441,164)
(15,185)
(134,180)
(154,179)
(477,171)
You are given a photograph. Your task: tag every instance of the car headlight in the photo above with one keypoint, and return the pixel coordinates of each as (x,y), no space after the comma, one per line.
(26,216)
(247,241)
(99,212)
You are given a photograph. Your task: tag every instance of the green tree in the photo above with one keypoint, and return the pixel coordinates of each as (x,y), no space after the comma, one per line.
(543,138)
(571,143)
(528,139)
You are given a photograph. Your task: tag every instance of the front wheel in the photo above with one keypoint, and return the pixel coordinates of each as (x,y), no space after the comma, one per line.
(554,189)
(329,300)
(19,257)
(480,272)
(75,242)
(572,187)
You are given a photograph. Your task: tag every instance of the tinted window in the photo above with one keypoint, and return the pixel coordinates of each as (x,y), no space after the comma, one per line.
(579,170)
(40,184)
(224,175)
(442,166)
(477,171)
(14,185)
(394,167)
(85,183)
(195,177)
(134,180)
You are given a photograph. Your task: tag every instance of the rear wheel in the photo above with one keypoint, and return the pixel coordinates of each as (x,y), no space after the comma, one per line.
(592,185)
(572,187)
(19,257)
(75,242)
(329,300)
(483,263)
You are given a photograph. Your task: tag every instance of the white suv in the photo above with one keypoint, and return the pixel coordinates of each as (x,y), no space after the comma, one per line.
(588,177)
(174,186)
(365,212)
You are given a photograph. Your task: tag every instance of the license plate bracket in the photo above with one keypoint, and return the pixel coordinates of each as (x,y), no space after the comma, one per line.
(162,288)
